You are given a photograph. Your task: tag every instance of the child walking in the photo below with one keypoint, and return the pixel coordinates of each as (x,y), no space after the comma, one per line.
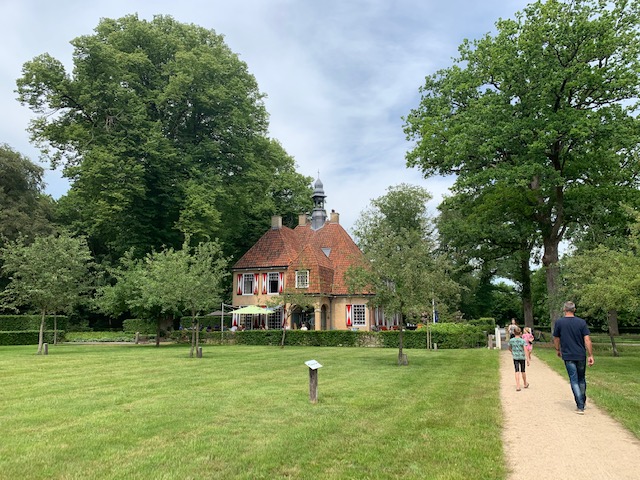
(516,347)
(528,338)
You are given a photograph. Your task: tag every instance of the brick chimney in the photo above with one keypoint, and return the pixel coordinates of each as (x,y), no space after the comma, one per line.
(276,222)
(302,219)
(334,217)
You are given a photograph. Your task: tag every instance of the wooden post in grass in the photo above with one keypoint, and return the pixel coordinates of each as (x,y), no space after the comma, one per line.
(137,337)
(45,348)
(199,352)
(313,380)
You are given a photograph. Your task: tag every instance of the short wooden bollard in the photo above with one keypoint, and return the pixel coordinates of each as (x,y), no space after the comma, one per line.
(137,338)
(199,352)
(45,349)
(313,379)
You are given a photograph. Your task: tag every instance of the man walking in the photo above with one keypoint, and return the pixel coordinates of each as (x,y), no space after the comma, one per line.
(573,344)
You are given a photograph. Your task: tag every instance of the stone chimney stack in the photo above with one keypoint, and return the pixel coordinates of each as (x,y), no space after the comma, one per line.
(334,217)
(276,222)
(302,219)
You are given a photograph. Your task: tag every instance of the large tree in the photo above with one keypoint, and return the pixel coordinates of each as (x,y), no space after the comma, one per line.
(404,270)
(162,132)
(24,208)
(480,231)
(546,107)
(50,274)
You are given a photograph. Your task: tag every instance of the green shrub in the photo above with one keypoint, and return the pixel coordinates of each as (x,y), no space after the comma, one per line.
(28,337)
(80,337)
(17,323)
(212,321)
(446,335)
(457,335)
(133,325)
(487,324)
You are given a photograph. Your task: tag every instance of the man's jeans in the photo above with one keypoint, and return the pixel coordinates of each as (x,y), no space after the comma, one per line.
(576,370)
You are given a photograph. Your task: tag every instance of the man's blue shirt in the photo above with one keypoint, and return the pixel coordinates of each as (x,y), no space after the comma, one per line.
(571,331)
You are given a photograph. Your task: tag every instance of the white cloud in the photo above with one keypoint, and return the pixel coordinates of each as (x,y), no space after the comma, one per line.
(338,75)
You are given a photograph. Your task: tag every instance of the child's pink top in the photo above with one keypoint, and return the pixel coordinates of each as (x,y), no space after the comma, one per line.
(528,337)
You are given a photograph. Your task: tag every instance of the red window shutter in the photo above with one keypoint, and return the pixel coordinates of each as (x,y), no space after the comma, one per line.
(264,283)
(349,315)
(239,284)
(280,282)
(255,283)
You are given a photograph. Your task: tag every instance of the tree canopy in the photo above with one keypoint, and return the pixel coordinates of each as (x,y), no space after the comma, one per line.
(50,274)
(546,110)
(404,270)
(24,209)
(162,132)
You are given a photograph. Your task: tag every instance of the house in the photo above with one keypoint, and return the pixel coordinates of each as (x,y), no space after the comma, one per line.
(311,259)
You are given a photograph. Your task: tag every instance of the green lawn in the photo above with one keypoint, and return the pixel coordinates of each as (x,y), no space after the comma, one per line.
(138,412)
(613,383)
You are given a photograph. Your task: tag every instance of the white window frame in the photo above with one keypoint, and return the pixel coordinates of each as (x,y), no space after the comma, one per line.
(274,320)
(302,278)
(273,277)
(251,277)
(359,315)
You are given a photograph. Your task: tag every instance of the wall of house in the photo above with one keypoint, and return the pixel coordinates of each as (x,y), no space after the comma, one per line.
(336,307)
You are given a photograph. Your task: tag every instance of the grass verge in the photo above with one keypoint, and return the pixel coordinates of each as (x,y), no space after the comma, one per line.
(613,383)
(243,412)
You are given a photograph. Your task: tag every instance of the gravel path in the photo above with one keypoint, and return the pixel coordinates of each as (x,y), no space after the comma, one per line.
(545,439)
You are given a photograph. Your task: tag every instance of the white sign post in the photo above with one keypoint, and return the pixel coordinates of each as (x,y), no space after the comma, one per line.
(313,379)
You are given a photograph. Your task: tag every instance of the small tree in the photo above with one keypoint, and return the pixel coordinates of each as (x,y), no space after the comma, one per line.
(288,301)
(200,286)
(168,282)
(606,280)
(50,274)
(404,270)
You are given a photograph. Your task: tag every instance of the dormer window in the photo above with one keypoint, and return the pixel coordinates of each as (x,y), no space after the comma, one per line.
(302,278)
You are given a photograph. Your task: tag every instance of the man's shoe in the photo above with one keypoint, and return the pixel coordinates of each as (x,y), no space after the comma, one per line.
(580,411)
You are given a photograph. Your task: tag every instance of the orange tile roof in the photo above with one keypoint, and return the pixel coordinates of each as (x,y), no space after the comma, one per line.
(303,247)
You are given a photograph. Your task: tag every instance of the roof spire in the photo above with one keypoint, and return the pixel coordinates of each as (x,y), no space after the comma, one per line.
(318,215)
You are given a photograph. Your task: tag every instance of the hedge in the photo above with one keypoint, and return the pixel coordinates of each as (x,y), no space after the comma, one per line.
(487,324)
(28,337)
(83,337)
(17,323)
(133,325)
(446,335)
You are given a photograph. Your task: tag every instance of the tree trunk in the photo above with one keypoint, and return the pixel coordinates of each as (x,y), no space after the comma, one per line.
(527,302)
(402,359)
(197,334)
(612,319)
(550,262)
(41,335)
(55,329)
(193,338)
(158,331)
(284,332)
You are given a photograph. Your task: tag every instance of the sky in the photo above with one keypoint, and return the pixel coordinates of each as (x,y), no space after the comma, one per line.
(339,75)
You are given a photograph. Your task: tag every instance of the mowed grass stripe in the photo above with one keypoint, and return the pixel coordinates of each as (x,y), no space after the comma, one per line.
(105,411)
